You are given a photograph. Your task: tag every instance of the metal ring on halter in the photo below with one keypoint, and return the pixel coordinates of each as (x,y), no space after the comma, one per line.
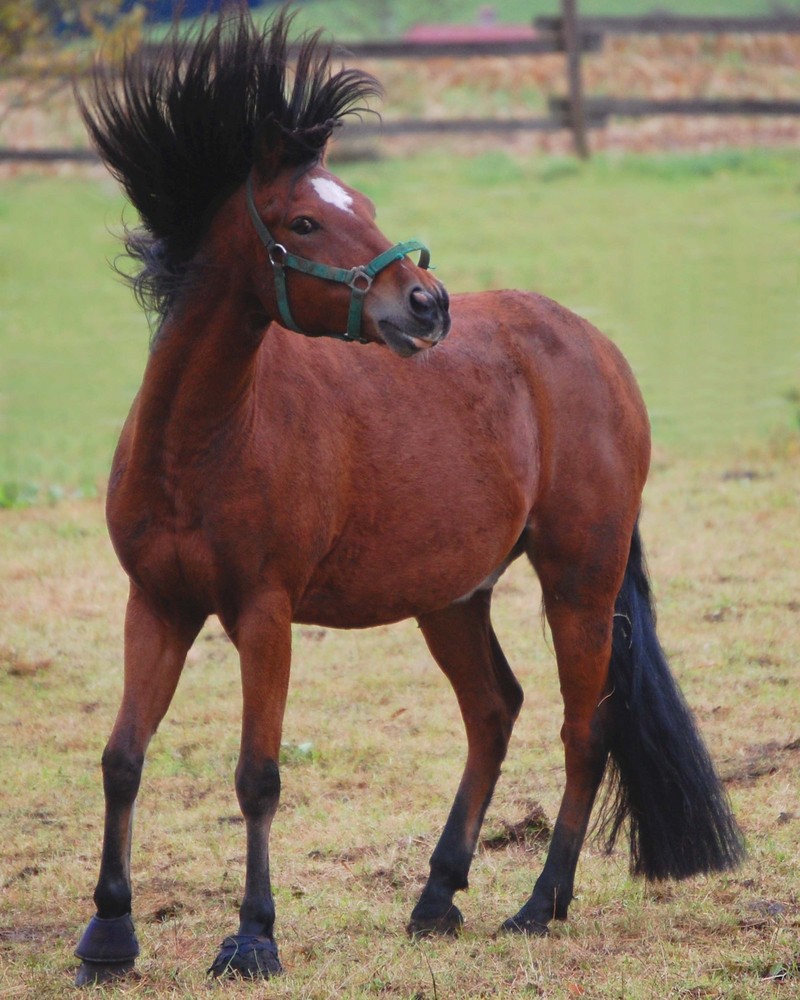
(277,254)
(357,274)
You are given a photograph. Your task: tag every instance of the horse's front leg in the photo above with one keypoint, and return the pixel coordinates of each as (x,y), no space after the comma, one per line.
(263,638)
(155,651)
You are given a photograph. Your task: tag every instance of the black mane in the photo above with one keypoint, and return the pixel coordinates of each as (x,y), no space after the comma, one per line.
(183,127)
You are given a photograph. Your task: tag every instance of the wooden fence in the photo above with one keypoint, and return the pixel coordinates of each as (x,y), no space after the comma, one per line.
(570,34)
(574,36)
(579,112)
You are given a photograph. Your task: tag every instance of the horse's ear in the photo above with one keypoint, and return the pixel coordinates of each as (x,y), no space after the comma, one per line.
(277,147)
(270,148)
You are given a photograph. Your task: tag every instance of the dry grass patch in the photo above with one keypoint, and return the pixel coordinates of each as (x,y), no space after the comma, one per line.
(373,752)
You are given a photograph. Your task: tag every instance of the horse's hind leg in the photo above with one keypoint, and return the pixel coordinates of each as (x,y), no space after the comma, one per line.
(155,652)
(464,645)
(579,595)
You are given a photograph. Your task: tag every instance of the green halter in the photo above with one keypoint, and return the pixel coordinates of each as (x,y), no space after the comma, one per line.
(358,279)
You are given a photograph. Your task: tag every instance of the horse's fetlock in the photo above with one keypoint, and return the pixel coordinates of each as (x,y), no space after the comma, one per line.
(113,898)
(257,916)
(449,876)
(550,902)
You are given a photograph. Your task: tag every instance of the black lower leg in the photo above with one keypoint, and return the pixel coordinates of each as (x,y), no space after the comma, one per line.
(435,912)
(252,953)
(552,893)
(108,947)
(464,645)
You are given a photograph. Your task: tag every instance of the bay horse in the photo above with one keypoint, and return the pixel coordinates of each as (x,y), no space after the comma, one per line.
(268,477)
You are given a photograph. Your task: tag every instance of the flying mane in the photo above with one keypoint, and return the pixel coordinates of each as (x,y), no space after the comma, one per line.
(183,128)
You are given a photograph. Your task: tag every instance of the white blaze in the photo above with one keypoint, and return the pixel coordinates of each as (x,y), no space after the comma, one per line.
(333,193)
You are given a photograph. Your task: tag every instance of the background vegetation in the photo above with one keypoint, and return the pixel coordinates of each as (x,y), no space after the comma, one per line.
(688,262)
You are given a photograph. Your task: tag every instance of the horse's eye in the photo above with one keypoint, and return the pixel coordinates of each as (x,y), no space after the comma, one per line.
(302,225)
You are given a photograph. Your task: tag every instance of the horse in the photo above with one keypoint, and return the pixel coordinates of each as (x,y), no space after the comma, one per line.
(322,436)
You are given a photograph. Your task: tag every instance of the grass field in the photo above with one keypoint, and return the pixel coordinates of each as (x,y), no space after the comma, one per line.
(373,750)
(688,262)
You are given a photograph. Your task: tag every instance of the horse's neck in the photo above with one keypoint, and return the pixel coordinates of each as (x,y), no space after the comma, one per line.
(200,372)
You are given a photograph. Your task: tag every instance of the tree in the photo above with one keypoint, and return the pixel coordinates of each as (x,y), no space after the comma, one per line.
(45,44)
(58,36)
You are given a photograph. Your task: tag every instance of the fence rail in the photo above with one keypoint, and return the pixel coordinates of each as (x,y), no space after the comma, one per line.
(599,109)
(661,23)
(48,155)
(546,43)
(569,34)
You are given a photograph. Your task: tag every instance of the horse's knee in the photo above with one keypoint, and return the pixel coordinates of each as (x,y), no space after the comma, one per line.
(497,724)
(258,786)
(122,772)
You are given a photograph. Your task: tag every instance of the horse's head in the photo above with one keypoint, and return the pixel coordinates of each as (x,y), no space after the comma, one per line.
(329,271)
(234,102)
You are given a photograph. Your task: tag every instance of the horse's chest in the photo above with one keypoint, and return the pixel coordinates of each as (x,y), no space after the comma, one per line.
(170,564)
(165,548)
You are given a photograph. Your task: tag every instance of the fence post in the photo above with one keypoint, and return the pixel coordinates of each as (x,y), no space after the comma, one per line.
(572,44)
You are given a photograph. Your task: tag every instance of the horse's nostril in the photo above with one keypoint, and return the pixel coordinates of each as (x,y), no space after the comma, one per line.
(422,302)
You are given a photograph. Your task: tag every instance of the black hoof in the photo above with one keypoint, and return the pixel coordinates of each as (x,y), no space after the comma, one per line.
(248,956)
(525,925)
(448,924)
(93,973)
(107,950)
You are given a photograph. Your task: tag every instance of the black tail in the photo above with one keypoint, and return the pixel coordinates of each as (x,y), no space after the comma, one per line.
(661,776)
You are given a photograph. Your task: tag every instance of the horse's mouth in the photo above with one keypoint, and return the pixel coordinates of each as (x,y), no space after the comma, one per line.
(407,342)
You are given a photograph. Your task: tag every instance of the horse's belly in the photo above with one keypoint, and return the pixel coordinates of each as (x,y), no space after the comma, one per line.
(375,581)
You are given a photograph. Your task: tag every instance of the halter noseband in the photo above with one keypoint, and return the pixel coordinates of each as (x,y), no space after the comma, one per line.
(358,279)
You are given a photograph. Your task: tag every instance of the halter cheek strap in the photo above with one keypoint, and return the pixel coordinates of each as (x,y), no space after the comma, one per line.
(358,279)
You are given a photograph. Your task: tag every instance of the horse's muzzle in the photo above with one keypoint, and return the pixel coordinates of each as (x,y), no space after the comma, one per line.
(426,323)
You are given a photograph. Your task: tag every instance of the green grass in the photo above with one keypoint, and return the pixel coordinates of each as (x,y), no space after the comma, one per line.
(74,342)
(688,262)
